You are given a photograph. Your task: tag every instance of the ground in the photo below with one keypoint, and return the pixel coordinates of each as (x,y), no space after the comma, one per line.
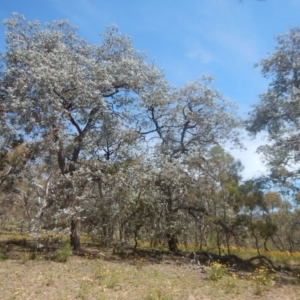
(111,277)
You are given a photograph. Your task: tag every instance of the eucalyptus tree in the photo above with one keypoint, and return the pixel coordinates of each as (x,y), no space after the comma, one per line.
(89,111)
(278,114)
(11,164)
(15,156)
(278,111)
(121,200)
(225,173)
(192,119)
(273,200)
(30,197)
(186,124)
(252,213)
(60,90)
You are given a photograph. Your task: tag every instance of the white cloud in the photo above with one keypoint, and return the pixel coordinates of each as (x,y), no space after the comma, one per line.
(251,160)
(196,52)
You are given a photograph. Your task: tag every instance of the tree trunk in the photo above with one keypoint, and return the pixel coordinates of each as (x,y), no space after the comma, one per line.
(172,242)
(218,240)
(265,244)
(256,243)
(227,243)
(75,234)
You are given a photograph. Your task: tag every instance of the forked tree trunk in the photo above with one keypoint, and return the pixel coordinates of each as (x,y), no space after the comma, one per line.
(75,234)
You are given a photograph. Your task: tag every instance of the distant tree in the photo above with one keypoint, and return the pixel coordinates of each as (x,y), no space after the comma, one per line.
(252,208)
(187,124)
(12,162)
(273,200)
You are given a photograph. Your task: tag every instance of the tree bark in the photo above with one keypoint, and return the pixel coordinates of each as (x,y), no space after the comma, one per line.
(75,236)
(172,242)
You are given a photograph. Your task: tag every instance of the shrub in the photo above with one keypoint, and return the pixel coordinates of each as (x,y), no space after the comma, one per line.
(216,271)
(262,277)
(63,254)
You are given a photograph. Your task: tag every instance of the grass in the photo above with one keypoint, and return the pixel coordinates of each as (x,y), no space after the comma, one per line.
(158,295)
(63,253)
(81,278)
(215,271)
(30,276)
(263,279)
(112,281)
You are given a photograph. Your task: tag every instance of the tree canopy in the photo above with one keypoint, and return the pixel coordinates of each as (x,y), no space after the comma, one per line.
(278,111)
(88,112)
(93,137)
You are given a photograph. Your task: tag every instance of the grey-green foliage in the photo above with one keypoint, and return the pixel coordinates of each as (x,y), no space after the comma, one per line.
(74,102)
(60,90)
(85,110)
(278,111)
(193,119)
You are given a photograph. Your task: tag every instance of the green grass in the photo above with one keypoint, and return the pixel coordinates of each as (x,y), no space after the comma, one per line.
(158,295)
(215,271)
(63,254)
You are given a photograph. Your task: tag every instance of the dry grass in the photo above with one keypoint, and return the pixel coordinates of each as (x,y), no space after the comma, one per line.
(82,278)
(25,274)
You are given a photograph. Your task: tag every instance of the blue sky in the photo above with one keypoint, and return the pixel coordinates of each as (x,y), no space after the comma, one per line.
(187,39)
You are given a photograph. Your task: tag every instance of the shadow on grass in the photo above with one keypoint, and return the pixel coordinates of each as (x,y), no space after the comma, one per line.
(27,248)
